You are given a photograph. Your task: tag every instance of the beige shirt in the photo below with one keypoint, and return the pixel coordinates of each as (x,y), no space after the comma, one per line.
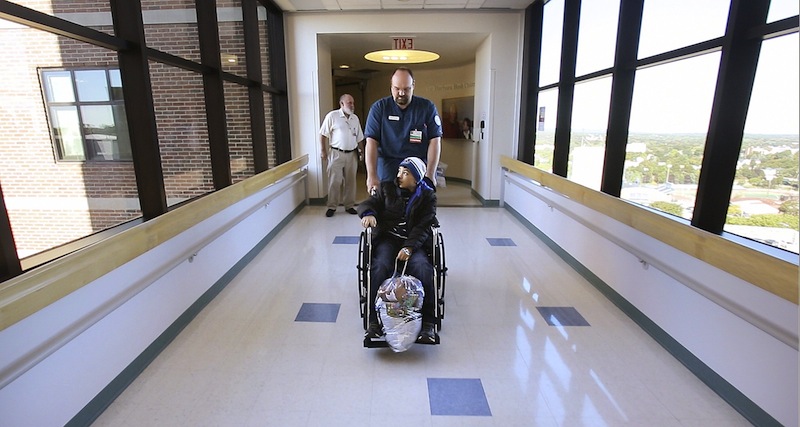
(343,132)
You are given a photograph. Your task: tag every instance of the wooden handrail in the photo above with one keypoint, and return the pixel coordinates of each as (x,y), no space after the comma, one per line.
(31,291)
(772,274)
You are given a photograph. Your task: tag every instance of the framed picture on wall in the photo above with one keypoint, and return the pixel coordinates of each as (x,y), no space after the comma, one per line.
(458,117)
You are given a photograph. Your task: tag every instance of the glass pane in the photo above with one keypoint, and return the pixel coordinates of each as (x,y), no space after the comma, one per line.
(587,142)
(123,142)
(764,201)
(667,138)
(669,25)
(240,143)
(58,86)
(116,84)
(597,37)
(171,27)
(100,131)
(552,25)
(781,9)
(67,132)
(92,85)
(52,203)
(263,45)
(182,133)
(546,130)
(231,36)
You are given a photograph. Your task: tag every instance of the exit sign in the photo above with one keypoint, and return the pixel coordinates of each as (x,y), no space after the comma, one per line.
(403,44)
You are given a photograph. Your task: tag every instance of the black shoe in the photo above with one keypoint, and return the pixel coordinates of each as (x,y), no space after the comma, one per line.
(351,211)
(428,334)
(329,213)
(374,331)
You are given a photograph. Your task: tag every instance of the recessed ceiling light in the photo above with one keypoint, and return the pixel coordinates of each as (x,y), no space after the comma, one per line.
(398,56)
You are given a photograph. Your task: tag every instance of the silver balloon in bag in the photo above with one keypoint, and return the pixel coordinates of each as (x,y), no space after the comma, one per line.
(398,304)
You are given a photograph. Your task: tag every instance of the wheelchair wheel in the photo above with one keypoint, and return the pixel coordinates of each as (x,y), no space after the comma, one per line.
(364,249)
(441,275)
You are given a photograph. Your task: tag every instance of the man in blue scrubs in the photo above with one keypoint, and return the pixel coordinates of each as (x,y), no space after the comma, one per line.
(399,126)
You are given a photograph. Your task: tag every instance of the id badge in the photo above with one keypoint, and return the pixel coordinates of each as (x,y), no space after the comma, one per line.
(416,136)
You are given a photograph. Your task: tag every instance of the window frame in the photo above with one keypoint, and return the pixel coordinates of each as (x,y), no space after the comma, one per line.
(90,155)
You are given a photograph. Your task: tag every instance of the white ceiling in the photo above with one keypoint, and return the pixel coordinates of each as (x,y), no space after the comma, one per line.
(455,49)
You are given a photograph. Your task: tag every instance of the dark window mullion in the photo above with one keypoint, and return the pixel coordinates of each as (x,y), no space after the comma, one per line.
(252,48)
(9,259)
(139,108)
(531,58)
(277,68)
(214,90)
(566,85)
(735,79)
(619,114)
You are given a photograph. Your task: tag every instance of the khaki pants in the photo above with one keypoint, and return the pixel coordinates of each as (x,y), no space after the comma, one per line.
(342,168)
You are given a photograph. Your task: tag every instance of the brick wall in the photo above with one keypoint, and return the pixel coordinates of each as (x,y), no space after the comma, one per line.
(52,202)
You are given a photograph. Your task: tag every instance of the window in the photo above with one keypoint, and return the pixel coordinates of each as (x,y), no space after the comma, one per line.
(553,25)
(86,114)
(545,130)
(669,25)
(764,199)
(669,120)
(587,142)
(597,36)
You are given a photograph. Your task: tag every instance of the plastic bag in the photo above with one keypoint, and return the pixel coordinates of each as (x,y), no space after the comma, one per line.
(398,304)
(440,171)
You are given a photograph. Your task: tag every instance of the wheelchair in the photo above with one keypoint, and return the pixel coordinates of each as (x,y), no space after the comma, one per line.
(435,253)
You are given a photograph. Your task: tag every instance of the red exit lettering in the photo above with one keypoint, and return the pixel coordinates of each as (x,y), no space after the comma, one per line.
(404,44)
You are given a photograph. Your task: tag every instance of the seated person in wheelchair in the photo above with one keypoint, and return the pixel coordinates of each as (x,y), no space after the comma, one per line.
(402,212)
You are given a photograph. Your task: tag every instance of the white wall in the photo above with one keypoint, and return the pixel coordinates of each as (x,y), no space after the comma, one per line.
(87,343)
(760,366)
(498,58)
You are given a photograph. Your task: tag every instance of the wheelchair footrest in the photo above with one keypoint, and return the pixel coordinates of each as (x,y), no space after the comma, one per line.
(381,342)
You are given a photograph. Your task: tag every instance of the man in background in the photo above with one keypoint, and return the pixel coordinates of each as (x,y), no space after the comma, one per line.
(341,132)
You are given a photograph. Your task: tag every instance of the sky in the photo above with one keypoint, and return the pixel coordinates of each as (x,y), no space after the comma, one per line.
(684,90)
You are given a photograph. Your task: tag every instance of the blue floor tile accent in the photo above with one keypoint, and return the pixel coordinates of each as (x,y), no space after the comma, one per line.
(316,312)
(500,241)
(562,316)
(457,396)
(345,240)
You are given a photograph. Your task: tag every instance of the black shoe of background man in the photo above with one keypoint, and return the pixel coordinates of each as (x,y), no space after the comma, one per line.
(329,213)
(351,211)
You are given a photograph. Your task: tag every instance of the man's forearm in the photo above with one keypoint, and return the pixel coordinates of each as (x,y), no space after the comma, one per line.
(434,152)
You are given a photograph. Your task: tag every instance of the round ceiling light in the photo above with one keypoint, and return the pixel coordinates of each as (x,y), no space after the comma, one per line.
(397,56)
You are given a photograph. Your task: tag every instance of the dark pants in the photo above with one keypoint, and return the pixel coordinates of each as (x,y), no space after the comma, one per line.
(384,256)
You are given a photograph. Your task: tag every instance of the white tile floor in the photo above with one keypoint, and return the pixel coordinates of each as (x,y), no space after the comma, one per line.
(245,361)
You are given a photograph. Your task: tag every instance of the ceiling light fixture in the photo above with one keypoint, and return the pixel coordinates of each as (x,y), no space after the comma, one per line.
(401,56)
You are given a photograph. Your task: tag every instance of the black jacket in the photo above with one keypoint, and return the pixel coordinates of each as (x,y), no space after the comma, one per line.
(388,208)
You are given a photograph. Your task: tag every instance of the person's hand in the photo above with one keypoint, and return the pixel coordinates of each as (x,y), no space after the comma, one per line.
(369,221)
(404,254)
(323,154)
(430,182)
(372,184)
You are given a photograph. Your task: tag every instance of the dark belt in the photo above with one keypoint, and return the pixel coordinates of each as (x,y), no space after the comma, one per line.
(344,151)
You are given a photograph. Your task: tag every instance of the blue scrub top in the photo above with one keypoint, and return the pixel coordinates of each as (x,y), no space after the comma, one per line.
(401,133)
